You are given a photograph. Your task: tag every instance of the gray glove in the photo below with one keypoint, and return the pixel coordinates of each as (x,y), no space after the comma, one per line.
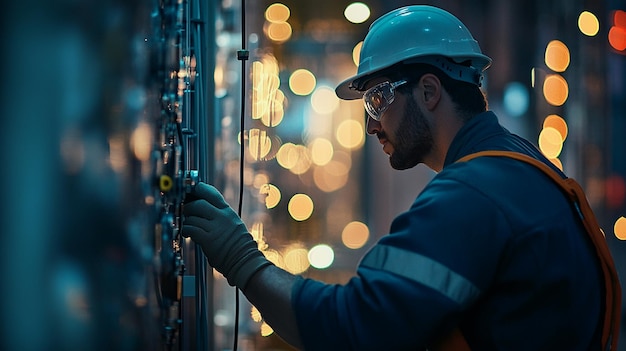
(211,223)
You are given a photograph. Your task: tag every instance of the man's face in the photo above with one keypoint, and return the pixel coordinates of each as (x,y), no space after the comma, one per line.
(404,132)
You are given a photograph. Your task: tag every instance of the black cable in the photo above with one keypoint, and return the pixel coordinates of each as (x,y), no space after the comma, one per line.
(242,55)
(202,323)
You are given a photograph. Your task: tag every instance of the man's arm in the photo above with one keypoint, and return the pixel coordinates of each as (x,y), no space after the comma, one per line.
(269,290)
(230,249)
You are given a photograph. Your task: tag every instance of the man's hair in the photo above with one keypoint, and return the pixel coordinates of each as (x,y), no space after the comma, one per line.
(468,99)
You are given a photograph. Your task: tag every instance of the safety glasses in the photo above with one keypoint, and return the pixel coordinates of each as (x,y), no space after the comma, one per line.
(378,98)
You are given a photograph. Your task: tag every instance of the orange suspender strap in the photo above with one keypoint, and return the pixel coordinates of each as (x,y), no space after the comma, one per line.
(610,328)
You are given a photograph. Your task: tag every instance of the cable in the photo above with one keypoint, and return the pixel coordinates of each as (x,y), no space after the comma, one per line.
(242,55)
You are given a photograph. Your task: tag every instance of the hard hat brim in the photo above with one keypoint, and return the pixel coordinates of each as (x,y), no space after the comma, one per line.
(347,91)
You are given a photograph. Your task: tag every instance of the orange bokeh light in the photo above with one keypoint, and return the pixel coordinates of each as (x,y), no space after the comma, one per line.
(617,38)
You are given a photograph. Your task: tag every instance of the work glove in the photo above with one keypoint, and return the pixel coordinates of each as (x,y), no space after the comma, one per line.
(211,223)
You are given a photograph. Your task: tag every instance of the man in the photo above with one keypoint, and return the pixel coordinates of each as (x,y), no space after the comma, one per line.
(491,253)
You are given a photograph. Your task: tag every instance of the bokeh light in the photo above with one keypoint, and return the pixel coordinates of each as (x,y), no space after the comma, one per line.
(272,195)
(300,207)
(321,256)
(516,99)
(557,56)
(277,13)
(296,259)
(302,82)
(617,38)
(555,89)
(557,163)
(617,33)
(295,158)
(331,177)
(619,18)
(620,228)
(615,190)
(350,134)
(334,175)
(355,235)
(321,151)
(260,179)
(140,141)
(275,257)
(267,99)
(324,100)
(275,111)
(558,123)
(257,231)
(255,314)
(266,330)
(259,144)
(550,142)
(278,31)
(356,53)
(287,156)
(357,12)
(588,23)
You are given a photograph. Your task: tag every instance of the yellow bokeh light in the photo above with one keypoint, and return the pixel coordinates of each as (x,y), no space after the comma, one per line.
(588,23)
(558,123)
(355,235)
(302,159)
(321,256)
(620,228)
(356,53)
(321,151)
(278,32)
(141,141)
(557,163)
(287,156)
(260,179)
(275,111)
(295,158)
(327,181)
(302,82)
(259,144)
(256,230)
(255,314)
(272,195)
(267,99)
(357,12)
(555,89)
(277,13)
(324,100)
(300,207)
(334,175)
(275,257)
(266,330)
(296,259)
(350,134)
(557,56)
(550,142)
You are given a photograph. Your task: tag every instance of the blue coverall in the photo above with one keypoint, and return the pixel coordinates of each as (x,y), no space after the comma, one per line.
(490,245)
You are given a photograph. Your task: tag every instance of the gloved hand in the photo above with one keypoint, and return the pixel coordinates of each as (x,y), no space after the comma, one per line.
(211,222)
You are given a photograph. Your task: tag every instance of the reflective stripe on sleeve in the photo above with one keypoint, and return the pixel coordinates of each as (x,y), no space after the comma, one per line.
(423,270)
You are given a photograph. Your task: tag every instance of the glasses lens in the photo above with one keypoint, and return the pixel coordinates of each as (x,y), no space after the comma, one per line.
(377,99)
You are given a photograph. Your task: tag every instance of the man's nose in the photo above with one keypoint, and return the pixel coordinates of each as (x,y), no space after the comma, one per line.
(373,126)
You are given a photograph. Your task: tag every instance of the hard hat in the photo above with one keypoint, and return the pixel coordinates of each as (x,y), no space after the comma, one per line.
(417,34)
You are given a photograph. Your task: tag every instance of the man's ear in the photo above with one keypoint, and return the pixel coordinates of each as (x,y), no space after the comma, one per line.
(430,90)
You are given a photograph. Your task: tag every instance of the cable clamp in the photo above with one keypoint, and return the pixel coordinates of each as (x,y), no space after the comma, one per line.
(243,55)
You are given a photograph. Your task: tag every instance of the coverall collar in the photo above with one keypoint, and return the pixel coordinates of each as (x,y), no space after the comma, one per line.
(481,127)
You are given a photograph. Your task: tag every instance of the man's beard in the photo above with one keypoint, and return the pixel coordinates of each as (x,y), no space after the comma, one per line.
(413,139)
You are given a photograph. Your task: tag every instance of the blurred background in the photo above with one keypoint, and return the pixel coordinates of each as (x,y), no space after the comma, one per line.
(100,96)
